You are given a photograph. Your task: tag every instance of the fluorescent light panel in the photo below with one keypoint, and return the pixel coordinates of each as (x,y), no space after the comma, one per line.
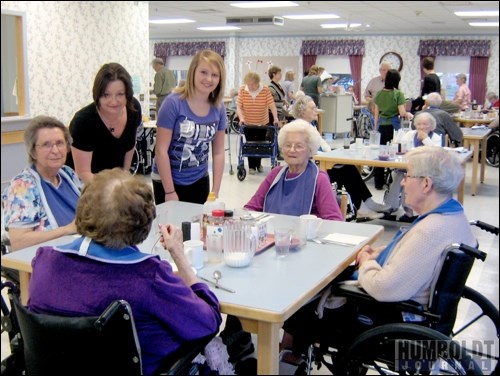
(265,4)
(311,16)
(484,24)
(339,26)
(218,28)
(478,13)
(171,21)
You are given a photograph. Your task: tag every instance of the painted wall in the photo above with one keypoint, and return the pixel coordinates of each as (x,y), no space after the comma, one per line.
(375,47)
(67,44)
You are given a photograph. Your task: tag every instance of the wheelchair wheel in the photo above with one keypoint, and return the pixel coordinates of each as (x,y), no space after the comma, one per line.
(241,173)
(492,157)
(406,349)
(478,343)
(234,123)
(134,167)
(366,172)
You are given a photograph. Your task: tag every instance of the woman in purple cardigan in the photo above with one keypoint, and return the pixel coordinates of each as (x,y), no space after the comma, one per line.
(300,187)
(82,278)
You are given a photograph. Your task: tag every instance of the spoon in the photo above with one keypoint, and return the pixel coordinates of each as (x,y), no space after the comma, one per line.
(217,275)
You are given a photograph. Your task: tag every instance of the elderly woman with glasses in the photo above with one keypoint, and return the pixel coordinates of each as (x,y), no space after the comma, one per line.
(403,269)
(40,203)
(300,187)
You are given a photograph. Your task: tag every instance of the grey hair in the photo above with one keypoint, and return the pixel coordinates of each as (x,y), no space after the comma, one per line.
(157,60)
(434,99)
(31,133)
(312,137)
(300,106)
(428,116)
(462,76)
(443,167)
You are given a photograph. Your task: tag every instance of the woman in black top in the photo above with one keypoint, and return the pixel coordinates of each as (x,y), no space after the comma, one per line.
(104,132)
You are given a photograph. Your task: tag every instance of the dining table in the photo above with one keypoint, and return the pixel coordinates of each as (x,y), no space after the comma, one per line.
(266,292)
(475,138)
(368,156)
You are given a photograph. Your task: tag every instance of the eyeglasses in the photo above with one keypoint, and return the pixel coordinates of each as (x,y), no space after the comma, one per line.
(297,147)
(406,176)
(47,146)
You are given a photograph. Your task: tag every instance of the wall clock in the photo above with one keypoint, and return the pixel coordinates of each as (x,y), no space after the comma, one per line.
(394,58)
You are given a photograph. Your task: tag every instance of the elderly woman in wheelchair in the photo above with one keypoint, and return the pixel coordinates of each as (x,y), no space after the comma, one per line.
(404,269)
(424,134)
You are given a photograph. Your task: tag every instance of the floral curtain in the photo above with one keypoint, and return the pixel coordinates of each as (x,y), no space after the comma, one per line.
(333,47)
(433,47)
(164,50)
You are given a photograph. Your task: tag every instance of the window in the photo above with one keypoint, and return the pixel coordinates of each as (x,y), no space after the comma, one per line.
(14,66)
(447,68)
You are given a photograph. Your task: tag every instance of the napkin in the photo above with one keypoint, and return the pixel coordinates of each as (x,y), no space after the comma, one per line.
(345,238)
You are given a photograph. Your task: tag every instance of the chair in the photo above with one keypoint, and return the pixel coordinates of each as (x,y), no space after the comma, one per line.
(378,346)
(105,344)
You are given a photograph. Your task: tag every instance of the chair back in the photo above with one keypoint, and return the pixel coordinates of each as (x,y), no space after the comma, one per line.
(449,284)
(57,345)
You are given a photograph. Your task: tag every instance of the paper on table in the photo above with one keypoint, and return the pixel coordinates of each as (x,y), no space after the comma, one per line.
(345,238)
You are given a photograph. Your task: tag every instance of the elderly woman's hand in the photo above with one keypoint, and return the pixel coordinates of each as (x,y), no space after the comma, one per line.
(171,239)
(366,253)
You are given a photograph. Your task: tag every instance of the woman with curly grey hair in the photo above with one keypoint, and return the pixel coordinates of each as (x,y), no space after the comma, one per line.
(114,214)
(40,202)
(300,187)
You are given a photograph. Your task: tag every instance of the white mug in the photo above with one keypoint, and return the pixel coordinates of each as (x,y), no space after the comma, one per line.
(311,224)
(194,251)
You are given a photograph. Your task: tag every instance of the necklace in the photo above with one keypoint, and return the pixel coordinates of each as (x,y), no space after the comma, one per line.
(110,127)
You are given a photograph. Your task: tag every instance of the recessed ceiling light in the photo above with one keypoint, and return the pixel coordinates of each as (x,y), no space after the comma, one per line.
(171,21)
(340,26)
(478,13)
(218,28)
(265,4)
(484,24)
(310,16)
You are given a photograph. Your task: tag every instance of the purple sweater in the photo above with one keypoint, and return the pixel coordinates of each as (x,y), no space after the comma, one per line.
(167,313)
(324,204)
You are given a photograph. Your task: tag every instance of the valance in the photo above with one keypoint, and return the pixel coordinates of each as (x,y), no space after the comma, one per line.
(333,47)
(454,48)
(188,48)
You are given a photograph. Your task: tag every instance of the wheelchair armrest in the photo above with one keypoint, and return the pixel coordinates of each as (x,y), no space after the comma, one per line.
(356,292)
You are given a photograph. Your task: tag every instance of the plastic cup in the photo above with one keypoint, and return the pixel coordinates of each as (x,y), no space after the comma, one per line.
(282,241)
(214,248)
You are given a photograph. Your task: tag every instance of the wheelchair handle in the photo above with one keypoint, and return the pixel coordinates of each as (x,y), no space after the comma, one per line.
(468,250)
(485,226)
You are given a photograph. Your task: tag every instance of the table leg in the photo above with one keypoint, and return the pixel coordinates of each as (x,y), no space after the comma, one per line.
(24,283)
(475,161)
(268,348)
(483,158)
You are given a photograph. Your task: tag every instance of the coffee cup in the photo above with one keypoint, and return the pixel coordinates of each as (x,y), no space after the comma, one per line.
(311,225)
(194,252)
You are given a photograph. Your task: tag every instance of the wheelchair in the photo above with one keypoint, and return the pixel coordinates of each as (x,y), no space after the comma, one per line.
(233,121)
(257,141)
(107,344)
(377,344)
(492,152)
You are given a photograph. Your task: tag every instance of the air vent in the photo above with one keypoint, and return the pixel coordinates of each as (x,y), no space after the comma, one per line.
(271,20)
